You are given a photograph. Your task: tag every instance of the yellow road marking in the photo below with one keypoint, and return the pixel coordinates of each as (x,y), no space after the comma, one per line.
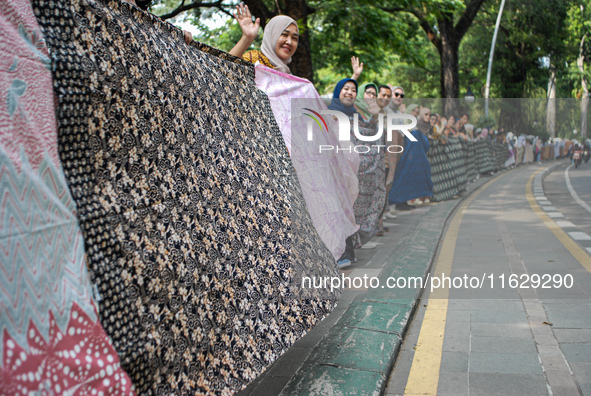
(424,372)
(577,252)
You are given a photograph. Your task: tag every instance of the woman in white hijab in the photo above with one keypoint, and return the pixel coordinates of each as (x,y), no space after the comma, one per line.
(280,40)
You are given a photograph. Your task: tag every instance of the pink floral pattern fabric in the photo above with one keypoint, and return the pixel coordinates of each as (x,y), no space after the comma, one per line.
(51,341)
(328,180)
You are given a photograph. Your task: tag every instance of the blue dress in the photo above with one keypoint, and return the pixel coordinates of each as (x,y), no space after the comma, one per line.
(413,171)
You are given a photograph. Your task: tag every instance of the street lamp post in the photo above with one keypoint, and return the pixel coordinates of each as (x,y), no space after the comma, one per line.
(490,59)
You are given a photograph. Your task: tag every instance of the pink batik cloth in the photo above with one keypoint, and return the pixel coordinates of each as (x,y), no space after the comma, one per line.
(51,341)
(328,180)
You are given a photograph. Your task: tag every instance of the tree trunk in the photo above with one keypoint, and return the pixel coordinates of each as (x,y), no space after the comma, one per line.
(448,52)
(301,63)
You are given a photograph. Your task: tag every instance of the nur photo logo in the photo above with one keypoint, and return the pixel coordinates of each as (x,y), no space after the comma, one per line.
(394,123)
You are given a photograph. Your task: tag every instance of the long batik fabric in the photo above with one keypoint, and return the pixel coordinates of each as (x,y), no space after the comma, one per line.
(196,230)
(51,342)
(372,176)
(328,182)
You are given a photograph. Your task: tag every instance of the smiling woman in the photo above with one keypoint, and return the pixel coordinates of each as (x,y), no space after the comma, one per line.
(372,189)
(280,40)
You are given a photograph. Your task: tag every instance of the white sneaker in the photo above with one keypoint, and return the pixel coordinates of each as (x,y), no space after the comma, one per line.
(369,245)
(389,215)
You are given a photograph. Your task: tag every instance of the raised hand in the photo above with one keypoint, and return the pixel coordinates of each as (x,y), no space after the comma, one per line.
(357,67)
(244,18)
(372,106)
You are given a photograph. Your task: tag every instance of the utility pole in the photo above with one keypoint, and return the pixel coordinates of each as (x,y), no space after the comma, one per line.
(490,59)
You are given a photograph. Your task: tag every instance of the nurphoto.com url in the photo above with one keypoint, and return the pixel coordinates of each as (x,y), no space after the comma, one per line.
(501,281)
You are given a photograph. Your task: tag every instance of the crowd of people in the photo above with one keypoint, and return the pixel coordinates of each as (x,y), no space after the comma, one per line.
(389,181)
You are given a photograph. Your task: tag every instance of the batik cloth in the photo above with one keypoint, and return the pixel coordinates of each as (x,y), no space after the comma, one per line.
(196,229)
(370,203)
(484,156)
(255,56)
(51,342)
(413,171)
(328,180)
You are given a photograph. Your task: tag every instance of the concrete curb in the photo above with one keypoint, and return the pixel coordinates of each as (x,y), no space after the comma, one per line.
(358,353)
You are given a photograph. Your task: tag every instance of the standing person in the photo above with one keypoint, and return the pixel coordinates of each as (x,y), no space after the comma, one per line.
(384,99)
(395,106)
(369,91)
(369,204)
(538,150)
(280,40)
(413,171)
(413,110)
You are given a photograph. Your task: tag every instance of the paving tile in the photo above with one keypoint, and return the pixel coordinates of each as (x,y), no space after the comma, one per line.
(457,329)
(508,330)
(482,384)
(455,384)
(496,316)
(453,343)
(577,352)
(555,215)
(457,315)
(569,315)
(454,362)
(586,389)
(579,236)
(573,335)
(516,363)
(502,345)
(501,305)
(582,371)
(565,224)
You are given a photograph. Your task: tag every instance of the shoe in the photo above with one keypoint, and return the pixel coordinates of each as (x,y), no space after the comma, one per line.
(380,233)
(369,245)
(427,200)
(344,263)
(404,207)
(386,229)
(416,202)
(389,215)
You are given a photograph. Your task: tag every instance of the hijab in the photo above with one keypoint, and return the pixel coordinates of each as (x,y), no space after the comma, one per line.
(336,104)
(271,34)
(411,108)
(360,102)
(422,125)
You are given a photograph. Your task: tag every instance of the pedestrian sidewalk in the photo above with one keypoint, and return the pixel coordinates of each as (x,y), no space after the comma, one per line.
(352,351)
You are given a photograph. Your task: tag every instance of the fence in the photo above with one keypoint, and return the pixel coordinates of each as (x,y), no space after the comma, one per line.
(458,162)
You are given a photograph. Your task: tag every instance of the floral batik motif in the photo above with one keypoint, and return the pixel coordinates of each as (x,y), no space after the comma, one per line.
(196,229)
(51,342)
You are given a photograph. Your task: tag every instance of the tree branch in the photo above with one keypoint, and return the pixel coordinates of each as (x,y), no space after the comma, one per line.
(467,18)
(431,34)
(186,7)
